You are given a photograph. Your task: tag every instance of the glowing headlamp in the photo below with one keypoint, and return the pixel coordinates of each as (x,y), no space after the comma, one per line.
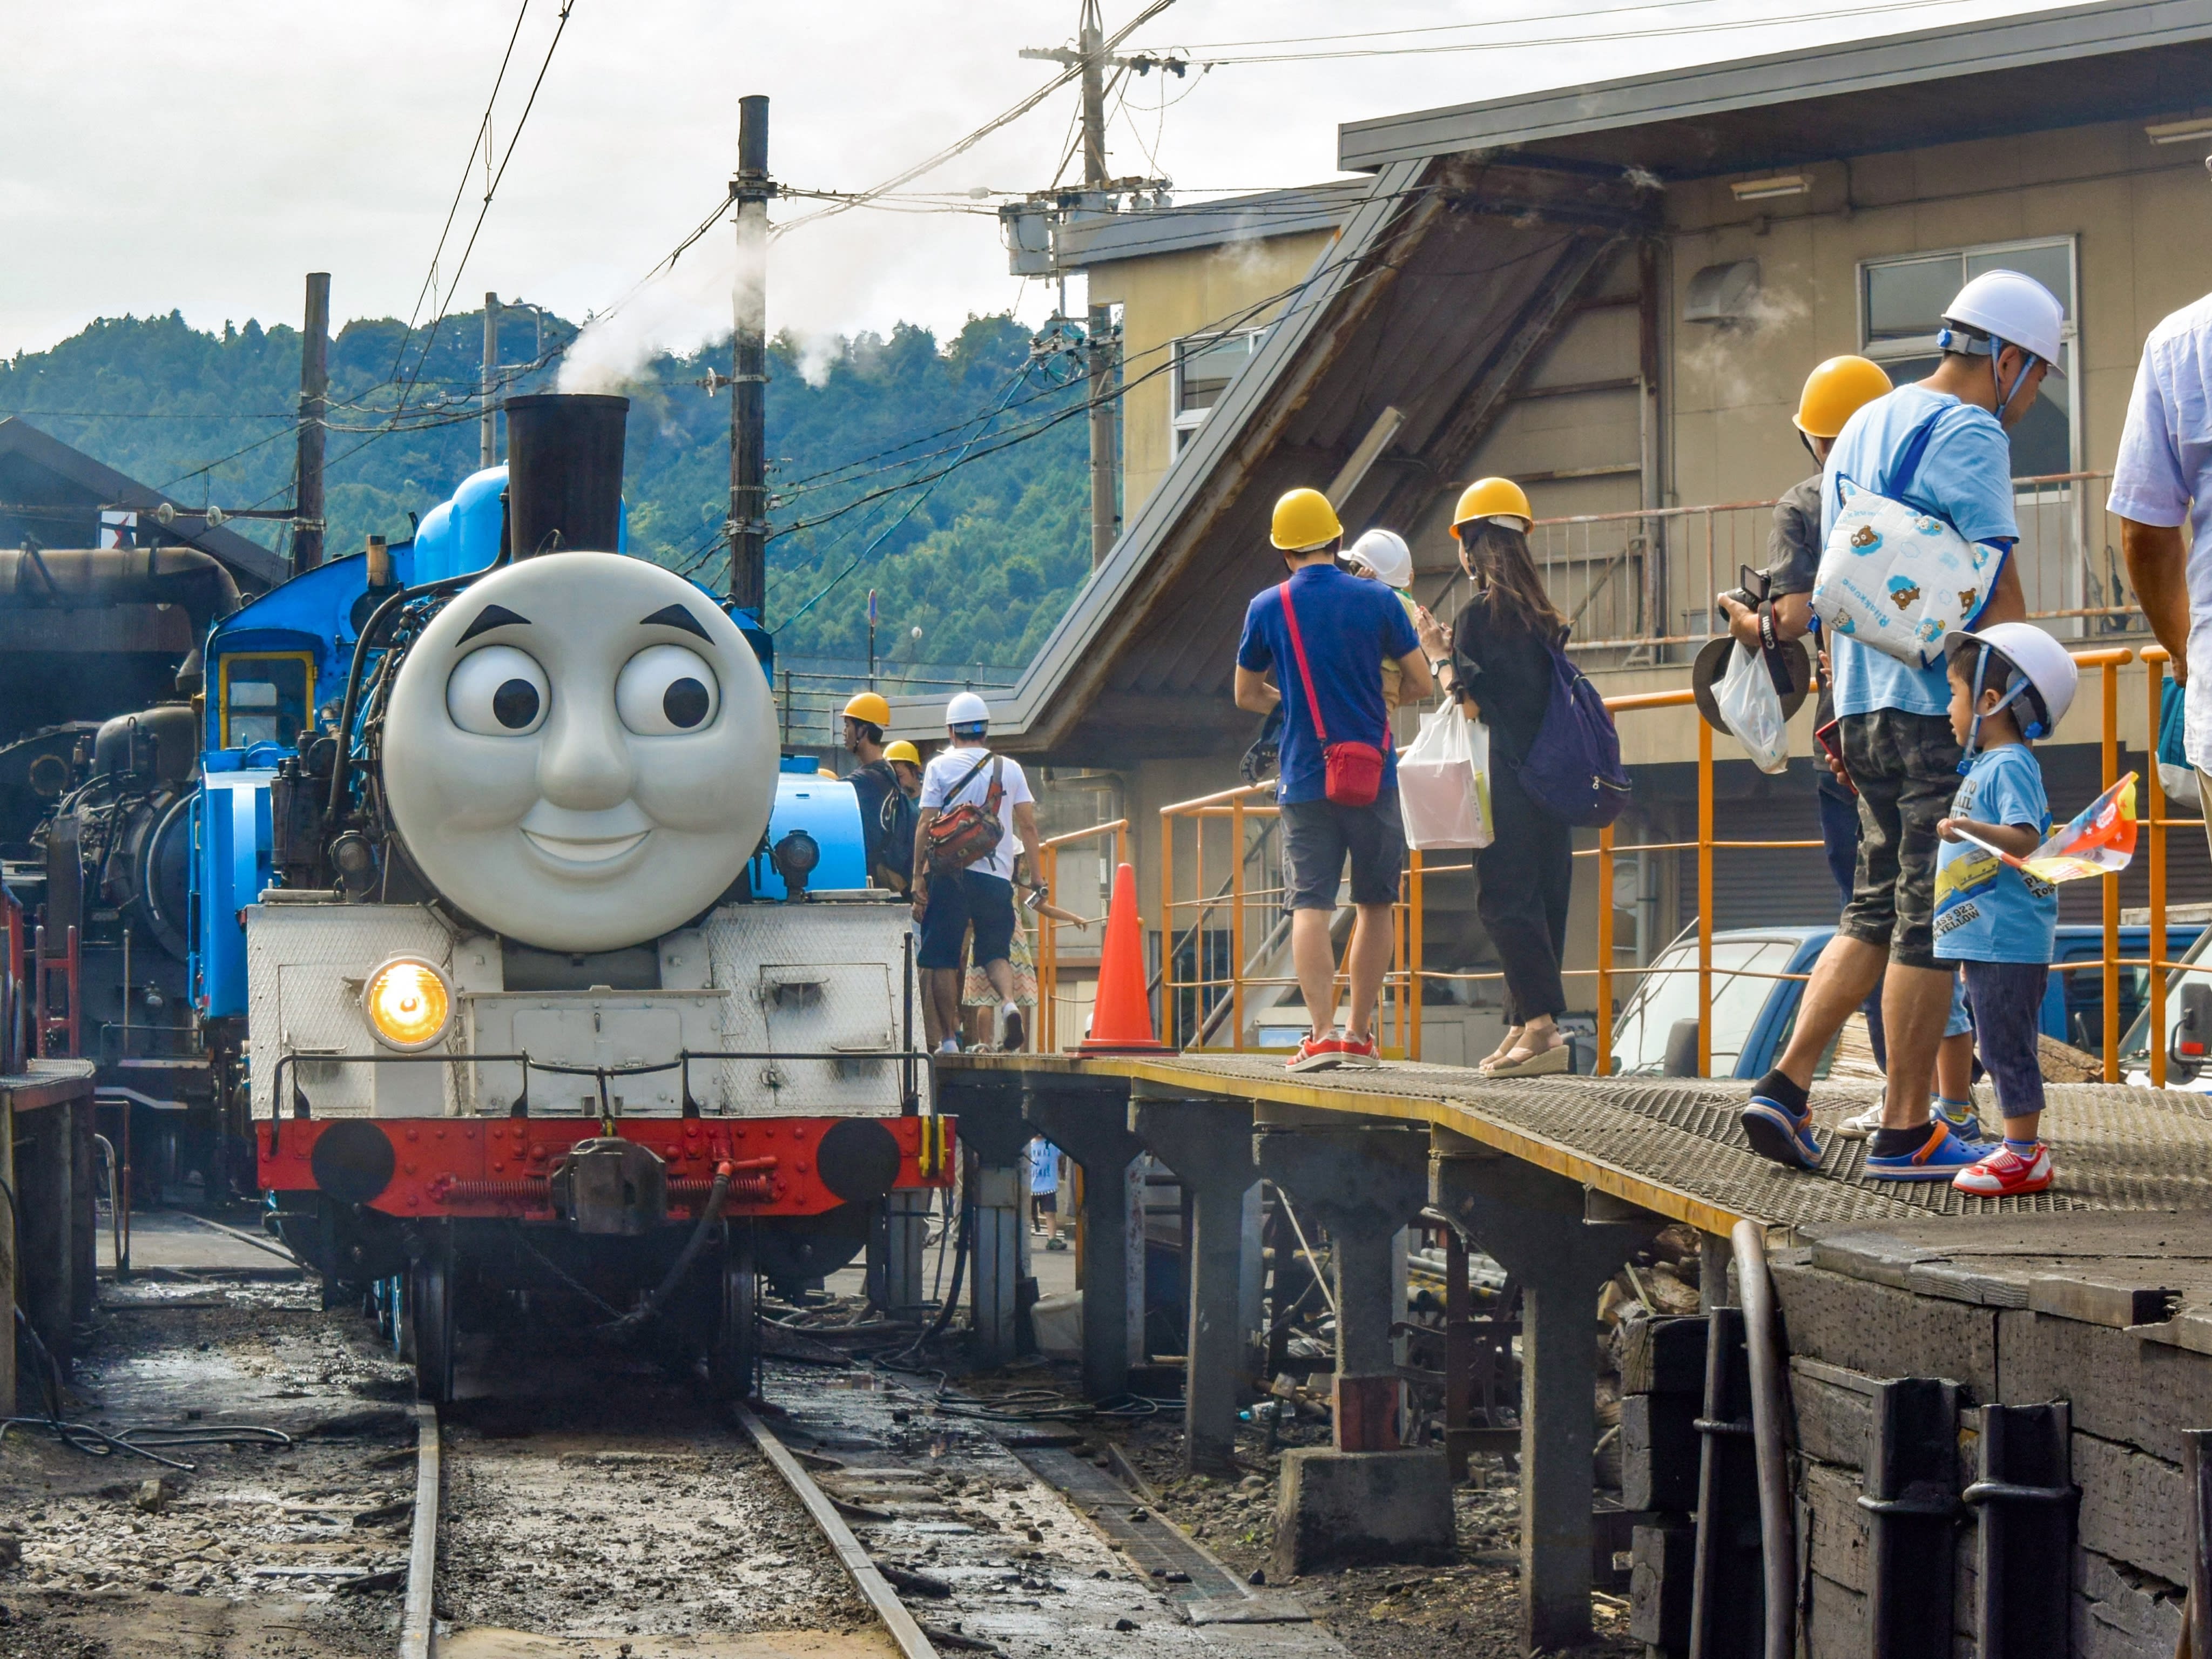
(408,1003)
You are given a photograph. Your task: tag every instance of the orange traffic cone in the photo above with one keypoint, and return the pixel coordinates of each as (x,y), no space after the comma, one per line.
(1121,1014)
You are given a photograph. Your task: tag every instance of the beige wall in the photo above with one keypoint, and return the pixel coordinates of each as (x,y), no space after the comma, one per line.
(2141,216)
(1166,296)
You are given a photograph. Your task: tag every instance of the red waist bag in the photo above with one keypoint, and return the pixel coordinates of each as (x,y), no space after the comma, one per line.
(1352,772)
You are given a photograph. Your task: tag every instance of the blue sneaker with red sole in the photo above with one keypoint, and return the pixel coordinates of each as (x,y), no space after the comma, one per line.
(1940,1157)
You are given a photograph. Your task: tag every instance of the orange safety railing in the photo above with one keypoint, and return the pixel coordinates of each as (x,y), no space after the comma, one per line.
(1048,953)
(2155,823)
(1223,993)
(1221,997)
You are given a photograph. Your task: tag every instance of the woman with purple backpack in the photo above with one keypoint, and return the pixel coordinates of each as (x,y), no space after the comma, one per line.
(1498,661)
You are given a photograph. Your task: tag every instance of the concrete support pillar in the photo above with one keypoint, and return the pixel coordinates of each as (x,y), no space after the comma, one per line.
(905,1243)
(1091,1126)
(1714,1253)
(46,1163)
(1364,1185)
(988,1106)
(1364,1499)
(1208,1144)
(1532,1223)
(995,1222)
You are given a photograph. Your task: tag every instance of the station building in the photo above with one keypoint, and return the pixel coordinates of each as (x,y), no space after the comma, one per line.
(1612,293)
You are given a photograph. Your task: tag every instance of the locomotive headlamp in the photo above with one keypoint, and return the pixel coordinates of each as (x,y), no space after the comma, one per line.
(410,1003)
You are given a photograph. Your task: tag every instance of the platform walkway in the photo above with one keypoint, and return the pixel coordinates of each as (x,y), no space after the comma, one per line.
(1561,1180)
(1674,1146)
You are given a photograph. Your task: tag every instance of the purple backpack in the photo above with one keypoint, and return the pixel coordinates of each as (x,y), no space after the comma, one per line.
(1573,769)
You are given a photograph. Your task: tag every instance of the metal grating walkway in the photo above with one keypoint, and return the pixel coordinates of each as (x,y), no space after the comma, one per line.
(1674,1146)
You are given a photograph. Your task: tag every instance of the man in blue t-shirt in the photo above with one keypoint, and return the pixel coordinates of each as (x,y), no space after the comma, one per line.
(2000,337)
(1346,629)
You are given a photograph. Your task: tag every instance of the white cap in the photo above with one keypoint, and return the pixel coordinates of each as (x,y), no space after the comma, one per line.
(966,709)
(2045,663)
(1385,553)
(2013,310)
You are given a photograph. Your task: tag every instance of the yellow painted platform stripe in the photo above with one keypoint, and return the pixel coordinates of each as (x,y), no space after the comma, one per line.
(1457,1116)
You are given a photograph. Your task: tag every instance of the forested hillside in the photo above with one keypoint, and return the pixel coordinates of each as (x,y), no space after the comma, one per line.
(984,565)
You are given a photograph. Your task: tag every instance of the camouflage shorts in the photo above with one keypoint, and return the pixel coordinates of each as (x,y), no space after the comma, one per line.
(1906,769)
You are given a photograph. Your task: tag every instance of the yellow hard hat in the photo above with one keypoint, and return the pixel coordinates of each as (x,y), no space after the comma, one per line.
(1835,392)
(869,708)
(1303,518)
(1492,498)
(902,750)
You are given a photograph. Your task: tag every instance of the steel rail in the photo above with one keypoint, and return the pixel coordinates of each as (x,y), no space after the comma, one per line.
(913,1642)
(417,1613)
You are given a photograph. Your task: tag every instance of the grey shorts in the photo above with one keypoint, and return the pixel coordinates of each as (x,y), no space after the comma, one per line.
(1317,836)
(1906,771)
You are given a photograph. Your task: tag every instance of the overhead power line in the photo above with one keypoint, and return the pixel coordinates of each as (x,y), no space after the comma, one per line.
(1228,56)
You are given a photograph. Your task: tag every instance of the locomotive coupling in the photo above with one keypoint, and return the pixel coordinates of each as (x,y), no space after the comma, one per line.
(610,1185)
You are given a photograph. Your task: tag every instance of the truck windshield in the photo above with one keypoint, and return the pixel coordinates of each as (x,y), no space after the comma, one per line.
(1743,966)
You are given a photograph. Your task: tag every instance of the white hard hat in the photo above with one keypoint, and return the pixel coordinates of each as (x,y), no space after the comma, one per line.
(2013,310)
(2049,671)
(1385,553)
(966,709)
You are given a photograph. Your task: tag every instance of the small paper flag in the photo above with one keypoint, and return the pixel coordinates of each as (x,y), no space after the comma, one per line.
(2100,842)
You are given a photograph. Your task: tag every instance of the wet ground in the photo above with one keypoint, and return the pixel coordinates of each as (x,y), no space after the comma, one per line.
(265,1550)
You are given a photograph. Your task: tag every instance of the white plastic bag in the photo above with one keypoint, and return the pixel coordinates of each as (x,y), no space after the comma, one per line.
(1443,782)
(1753,708)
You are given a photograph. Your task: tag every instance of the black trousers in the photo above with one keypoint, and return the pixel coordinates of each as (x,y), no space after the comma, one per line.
(1526,876)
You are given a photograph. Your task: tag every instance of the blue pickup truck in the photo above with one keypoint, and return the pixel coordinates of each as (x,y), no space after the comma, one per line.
(1753,1012)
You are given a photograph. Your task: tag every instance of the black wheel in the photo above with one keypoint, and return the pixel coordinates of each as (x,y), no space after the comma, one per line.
(430,1317)
(733,1350)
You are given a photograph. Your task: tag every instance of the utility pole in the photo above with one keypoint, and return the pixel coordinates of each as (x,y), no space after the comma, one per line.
(1092,54)
(487,429)
(748,528)
(314,407)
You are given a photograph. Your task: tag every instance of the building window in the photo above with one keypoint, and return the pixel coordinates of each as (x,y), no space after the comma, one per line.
(1901,304)
(1204,366)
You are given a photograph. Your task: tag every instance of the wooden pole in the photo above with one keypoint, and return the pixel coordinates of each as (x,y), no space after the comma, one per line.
(314,406)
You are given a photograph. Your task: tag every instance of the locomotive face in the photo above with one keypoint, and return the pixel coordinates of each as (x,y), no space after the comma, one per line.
(580,751)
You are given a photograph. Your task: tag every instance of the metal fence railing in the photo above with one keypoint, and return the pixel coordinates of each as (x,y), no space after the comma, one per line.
(1644,577)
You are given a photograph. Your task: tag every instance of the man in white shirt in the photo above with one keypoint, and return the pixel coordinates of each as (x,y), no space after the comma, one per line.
(2162,483)
(948,901)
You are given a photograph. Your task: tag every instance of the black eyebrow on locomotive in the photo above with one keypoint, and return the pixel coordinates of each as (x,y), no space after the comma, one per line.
(674,615)
(492,616)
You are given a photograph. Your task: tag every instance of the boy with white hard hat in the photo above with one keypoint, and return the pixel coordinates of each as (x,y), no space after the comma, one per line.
(2010,684)
(1939,447)
(947,901)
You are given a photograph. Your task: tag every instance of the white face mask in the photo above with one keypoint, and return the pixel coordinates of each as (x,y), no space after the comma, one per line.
(583,770)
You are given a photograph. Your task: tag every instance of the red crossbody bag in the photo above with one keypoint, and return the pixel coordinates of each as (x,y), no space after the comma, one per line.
(1352,772)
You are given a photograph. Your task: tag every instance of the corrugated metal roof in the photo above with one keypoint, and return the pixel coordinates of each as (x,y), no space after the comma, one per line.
(1209,224)
(2065,44)
(1427,295)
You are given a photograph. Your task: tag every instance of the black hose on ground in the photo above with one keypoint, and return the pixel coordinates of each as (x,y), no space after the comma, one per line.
(1762,1342)
(936,1327)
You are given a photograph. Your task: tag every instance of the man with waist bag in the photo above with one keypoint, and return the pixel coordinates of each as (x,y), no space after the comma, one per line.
(1938,446)
(970,882)
(1782,593)
(1326,635)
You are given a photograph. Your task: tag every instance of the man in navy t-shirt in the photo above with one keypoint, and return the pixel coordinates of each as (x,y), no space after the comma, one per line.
(1348,629)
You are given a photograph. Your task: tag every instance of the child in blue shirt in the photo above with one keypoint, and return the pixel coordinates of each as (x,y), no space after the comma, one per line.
(2009,683)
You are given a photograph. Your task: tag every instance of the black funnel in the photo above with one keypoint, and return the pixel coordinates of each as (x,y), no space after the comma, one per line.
(564,472)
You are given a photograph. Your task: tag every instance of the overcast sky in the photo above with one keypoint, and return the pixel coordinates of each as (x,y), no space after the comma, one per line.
(204,158)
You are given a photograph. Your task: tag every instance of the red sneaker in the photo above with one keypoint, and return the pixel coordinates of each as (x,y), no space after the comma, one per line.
(1318,1054)
(1360,1051)
(2003,1173)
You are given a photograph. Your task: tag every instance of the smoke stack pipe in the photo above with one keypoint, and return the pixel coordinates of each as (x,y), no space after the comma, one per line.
(564,472)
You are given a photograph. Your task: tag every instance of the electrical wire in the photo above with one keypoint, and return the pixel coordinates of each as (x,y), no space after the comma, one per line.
(961,147)
(1537,42)
(913,506)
